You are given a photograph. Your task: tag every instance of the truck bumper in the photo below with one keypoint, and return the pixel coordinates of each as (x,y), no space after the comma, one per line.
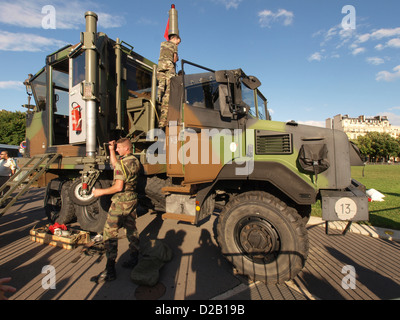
(347,205)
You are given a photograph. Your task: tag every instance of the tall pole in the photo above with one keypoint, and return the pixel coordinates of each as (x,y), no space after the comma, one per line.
(89,94)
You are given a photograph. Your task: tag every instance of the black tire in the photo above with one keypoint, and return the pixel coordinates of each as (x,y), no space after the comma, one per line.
(93,217)
(263,237)
(153,187)
(58,206)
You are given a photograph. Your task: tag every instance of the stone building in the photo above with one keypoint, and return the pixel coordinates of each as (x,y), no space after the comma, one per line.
(360,126)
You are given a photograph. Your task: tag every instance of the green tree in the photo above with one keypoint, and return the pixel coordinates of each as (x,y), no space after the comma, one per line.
(398,141)
(364,143)
(12,127)
(377,145)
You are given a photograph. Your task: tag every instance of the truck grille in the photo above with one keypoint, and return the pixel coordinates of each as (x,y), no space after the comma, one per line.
(273,143)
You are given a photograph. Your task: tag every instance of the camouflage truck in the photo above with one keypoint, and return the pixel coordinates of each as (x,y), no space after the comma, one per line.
(220,153)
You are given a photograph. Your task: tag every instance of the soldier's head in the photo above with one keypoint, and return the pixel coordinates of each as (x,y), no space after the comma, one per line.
(4,155)
(175,38)
(124,146)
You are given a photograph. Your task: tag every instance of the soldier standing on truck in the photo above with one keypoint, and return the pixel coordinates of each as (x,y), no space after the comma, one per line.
(166,70)
(122,212)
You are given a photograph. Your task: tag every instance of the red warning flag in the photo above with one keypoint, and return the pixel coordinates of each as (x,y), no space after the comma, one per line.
(166,31)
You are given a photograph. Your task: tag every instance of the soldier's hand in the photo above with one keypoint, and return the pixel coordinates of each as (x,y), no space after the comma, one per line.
(176,58)
(96,192)
(111,145)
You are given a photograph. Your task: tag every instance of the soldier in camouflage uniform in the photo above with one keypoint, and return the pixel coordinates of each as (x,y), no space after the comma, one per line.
(166,70)
(122,212)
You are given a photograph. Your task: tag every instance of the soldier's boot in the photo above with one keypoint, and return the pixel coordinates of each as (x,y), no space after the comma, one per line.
(109,274)
(132,261)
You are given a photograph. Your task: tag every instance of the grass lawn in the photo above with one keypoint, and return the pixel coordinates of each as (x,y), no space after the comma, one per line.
(386,180)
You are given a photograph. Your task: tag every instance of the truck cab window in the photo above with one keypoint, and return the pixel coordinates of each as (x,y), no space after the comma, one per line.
(60,94)
(60,80)
(261,106)
(248,98)
(39,91)
(139,79)
(78,70)
(202,91)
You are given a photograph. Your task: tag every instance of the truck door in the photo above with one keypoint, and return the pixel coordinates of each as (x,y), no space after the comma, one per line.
(209,137)
(77,106)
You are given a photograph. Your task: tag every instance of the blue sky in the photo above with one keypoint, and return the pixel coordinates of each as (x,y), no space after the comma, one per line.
(310,66)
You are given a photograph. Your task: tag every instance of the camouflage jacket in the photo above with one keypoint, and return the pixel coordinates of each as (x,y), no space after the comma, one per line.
(126,169)
(167,51)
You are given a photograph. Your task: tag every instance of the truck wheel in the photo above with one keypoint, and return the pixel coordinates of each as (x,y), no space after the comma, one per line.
(263,237)
(76,195)
(153,188)
(58,206)
(93,217)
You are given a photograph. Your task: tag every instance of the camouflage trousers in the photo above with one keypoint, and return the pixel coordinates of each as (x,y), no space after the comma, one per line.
(163,92)
(122,214)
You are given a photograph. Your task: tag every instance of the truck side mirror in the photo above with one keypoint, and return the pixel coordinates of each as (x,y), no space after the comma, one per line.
(223,101)
(251,82)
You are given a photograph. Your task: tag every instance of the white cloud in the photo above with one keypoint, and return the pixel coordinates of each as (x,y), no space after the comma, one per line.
(229,3)
(357,42)
(313,123)
(357,51)
(11,85)
(267,17)
(394,43)
(27,42)
(22,14)
(363,37)
(316,56)
(385,33)
(69,15)
(389,76)
(375,60)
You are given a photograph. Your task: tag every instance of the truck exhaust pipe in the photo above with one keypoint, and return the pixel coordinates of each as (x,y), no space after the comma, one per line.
(89,87)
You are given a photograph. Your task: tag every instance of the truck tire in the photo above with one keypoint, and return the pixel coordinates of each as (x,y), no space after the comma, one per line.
(93,217)
(75,193)
(263,237)
(92,214)
(153,188)
(58,206)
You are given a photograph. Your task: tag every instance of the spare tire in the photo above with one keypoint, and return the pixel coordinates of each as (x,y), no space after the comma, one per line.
(58,205)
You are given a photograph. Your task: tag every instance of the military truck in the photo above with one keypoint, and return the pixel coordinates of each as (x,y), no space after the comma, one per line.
(219,154)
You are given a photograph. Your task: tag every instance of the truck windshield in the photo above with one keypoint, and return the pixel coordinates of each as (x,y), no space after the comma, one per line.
(39,90)
(256,101)
(261,105)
